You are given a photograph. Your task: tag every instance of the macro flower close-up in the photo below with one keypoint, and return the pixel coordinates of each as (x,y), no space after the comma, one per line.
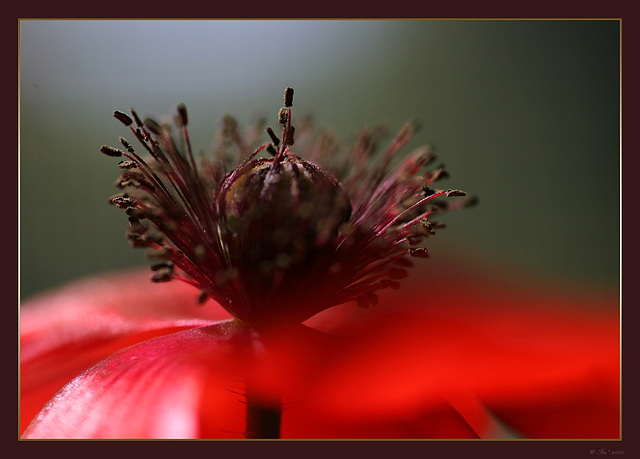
(292,293)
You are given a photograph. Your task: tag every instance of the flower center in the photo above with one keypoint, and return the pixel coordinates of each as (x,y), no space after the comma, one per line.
(287,207)
(282,210)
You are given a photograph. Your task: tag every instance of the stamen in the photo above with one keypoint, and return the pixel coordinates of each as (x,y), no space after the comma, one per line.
(427,191)
(273,137)
(126,145)
(162,275)
(136,118)
(272,151)
(182,111)
(135,212)
(128,164)
(110,151)
(283,116)
(121,201)
(420,218)
(158,253)
(136,226)
(288,97)
(419,252)
(395,219)
(203,297)
(153,126)
(123,118)
(360,234)
(290,132)
(452,193)
(426,224)
(161,265)
(184,119)
(286,131)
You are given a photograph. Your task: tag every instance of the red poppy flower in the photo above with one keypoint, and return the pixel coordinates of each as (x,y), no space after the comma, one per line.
(277,242)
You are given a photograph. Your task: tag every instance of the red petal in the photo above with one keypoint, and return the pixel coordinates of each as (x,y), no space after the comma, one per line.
(545,362)
(68,330)
(152,390)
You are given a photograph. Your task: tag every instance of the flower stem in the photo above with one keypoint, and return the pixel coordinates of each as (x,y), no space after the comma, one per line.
(263,416)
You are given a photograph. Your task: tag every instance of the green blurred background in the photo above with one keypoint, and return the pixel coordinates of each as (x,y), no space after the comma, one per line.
(524,113)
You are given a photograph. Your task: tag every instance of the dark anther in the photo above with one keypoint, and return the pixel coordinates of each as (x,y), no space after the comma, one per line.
(155,254)
(127,165)
(426,224)
(144,135)
(288,97)
(153,126)
(136,240)
(131,175)
(182,111)
(162,265)
(136,118)
(203,297)
(110,151)
(122,202)
(273,137)
(123,118)
(419,252)
(126,145)
(124,182)
(135,227)
(162,275)
(427,191)
(451,193)
(290,134)
(283,115)
(271,150)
